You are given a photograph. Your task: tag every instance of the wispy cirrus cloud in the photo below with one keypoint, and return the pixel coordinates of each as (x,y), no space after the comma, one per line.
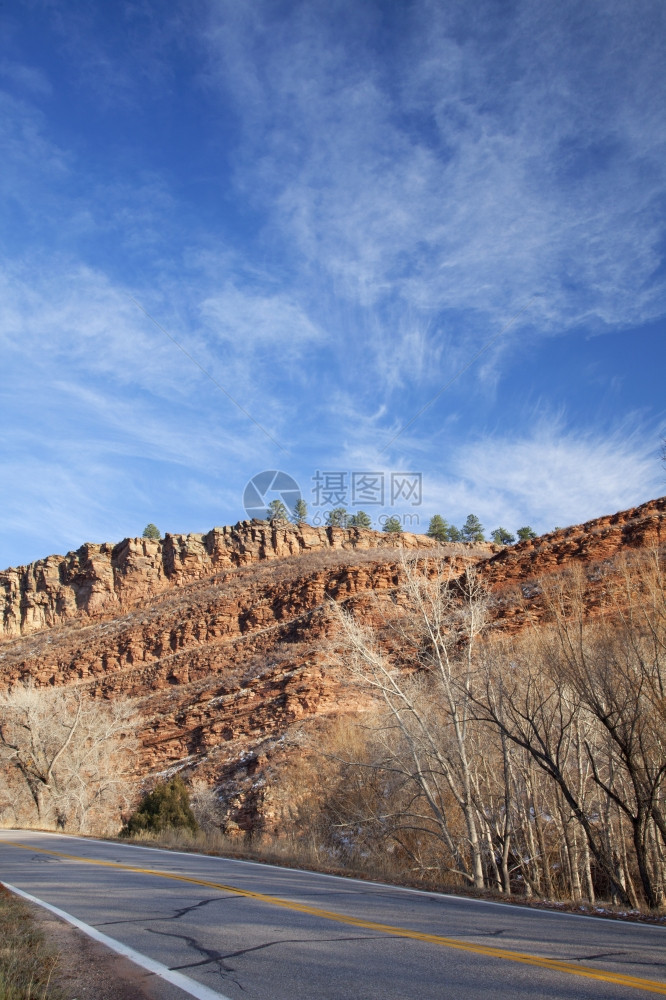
(552,475)
(253,319)
(406,179)
(330,207)
(29,79)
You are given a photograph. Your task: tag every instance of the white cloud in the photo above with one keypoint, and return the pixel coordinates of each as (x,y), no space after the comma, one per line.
(254,320)
(553,476)
(31,161)
(29,79)
(425,189)
(108,419)
(403,179)
(66,314)
(73,319)
(53,506)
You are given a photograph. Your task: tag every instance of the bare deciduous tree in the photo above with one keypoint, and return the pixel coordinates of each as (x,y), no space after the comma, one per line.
(428,737)
(583,695)
(617,668)
(205,804)
(66,761)
(538,759)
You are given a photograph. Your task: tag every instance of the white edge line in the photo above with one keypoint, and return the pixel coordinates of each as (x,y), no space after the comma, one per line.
(433,893)
(183,983)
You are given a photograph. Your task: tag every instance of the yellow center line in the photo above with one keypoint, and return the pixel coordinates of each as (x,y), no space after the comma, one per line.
(555,965)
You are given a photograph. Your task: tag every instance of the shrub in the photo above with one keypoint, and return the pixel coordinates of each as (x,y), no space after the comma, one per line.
(166,807)
(300,512)
(438,528)
(277,513)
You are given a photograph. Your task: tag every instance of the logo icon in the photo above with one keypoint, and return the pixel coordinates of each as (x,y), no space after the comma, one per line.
(267,486)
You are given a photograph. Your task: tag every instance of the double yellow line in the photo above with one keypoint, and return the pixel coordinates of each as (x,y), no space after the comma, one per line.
(555,965)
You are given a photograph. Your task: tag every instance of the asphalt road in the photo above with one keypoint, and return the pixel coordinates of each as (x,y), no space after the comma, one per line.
(245,930)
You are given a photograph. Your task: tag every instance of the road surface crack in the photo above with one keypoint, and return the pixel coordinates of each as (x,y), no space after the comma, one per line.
(601,954)
(270,944)
(209,955)
(176,915)
(195,906)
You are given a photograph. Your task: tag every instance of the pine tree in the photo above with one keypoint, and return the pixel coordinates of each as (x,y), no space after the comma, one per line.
(337,518)
(454,534)
(501,536)
(472,530)
(393,526)
(526,533)
(300,512)
(438,528)
(277,513)
(360,520)
(152,531)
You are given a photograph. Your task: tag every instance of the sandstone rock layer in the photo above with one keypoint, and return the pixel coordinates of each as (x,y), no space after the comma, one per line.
(218,636)
(103,580)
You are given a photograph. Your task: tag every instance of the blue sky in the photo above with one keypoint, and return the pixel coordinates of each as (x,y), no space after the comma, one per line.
(332,207)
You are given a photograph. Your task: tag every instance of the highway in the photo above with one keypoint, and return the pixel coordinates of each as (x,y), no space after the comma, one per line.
(234,929)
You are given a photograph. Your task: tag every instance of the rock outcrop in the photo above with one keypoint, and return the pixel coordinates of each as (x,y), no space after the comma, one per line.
(594,541)
(219,636)
(104,580)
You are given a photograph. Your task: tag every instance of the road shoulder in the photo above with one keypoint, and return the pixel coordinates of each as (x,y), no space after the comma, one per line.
(87,970)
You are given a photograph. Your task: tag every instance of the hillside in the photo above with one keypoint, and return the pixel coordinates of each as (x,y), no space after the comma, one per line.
(219,636)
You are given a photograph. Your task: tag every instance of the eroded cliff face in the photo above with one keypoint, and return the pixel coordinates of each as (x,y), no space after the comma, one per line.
(513,573)
(219,637)
(601,539)
(104,580)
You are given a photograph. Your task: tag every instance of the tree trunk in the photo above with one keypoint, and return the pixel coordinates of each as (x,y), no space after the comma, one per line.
(639,837)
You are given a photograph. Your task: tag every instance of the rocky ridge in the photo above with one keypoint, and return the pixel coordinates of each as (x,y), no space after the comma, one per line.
(219,636)
(103,580)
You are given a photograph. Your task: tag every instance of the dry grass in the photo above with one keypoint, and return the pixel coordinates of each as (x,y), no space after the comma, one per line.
(285,852)
(218,845)
(290,854)
(26,962)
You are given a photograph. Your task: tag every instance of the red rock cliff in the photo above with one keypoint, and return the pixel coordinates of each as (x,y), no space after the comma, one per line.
(104,580)
(218,636)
